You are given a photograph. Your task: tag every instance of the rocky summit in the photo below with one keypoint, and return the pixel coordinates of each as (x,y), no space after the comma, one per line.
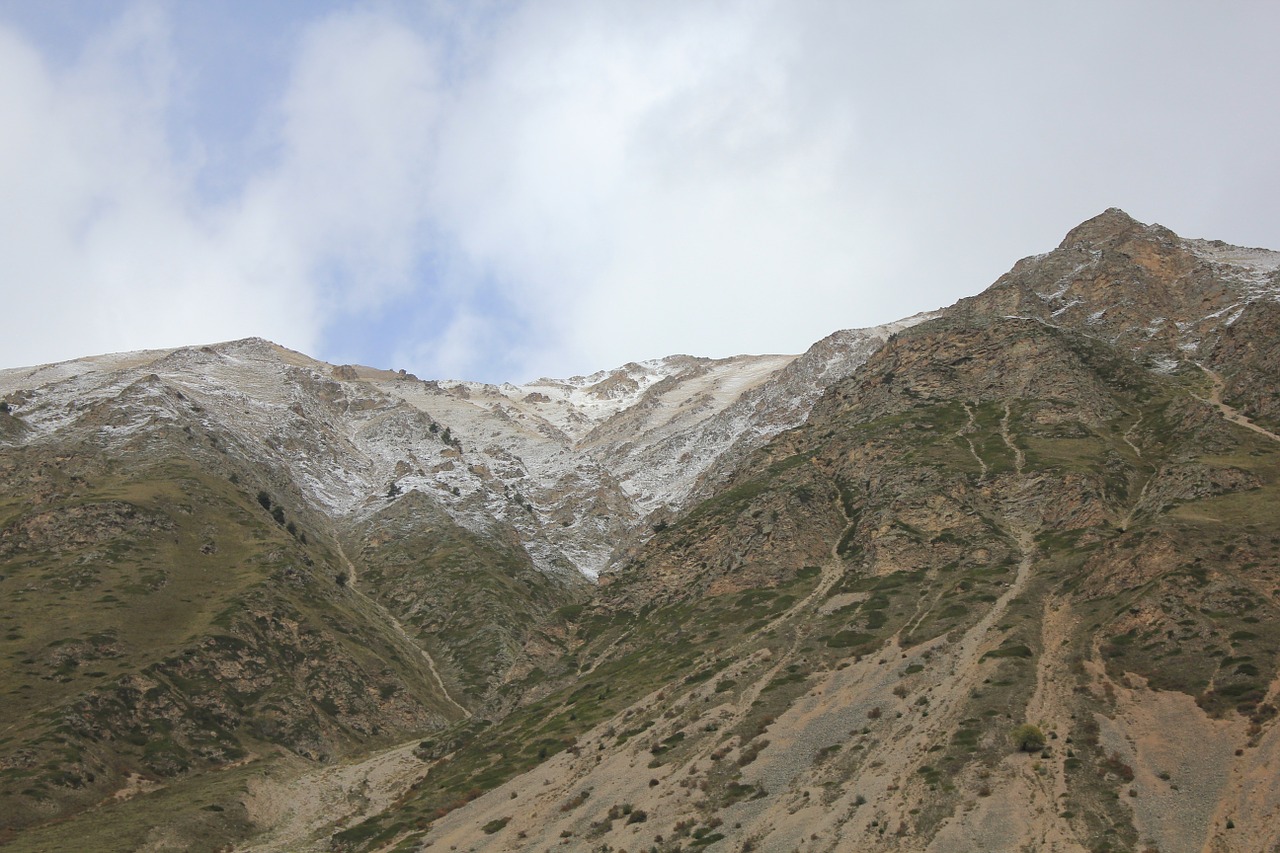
(1004,576)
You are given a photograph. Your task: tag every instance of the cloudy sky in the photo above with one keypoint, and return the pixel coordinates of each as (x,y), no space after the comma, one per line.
(506,190)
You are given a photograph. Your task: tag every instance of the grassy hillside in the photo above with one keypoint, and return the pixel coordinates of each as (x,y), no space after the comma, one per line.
(161,621)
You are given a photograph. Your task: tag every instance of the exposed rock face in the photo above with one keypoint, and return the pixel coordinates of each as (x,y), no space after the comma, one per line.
(1248,352)
(1140,287)
(832,586)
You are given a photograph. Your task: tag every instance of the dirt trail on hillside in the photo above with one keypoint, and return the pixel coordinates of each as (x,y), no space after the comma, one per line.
(963,433)
(1130,431)
(910,722)
(1019,458)
(399,630)
(1126,522)
(1051,703)
(1021,812)
(1228,412)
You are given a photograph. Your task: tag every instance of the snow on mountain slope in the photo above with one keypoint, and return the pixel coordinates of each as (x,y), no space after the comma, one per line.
(573,467)
(1257,271)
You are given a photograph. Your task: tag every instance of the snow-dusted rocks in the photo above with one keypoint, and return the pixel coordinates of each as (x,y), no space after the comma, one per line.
(574,466)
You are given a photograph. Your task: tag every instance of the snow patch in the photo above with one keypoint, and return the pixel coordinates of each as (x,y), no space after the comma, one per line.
(1073,303)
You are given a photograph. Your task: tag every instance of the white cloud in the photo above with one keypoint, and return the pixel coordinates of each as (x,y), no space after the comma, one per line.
(653,179)
(107,245)
(551,187)
(104,245)
(357,123)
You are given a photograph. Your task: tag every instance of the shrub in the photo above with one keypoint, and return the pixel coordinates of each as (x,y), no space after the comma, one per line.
(1028,738)
(495,825)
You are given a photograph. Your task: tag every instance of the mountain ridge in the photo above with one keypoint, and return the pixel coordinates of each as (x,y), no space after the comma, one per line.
(831,586)
(682,400)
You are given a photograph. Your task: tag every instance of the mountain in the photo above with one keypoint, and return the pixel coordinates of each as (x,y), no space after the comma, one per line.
(264,602)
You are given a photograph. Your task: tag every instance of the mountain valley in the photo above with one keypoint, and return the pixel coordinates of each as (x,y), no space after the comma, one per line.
(1001,576)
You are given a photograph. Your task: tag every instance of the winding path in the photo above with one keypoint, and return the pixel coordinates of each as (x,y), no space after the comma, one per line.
(399,630)
(1230,413)
(1019,458)
(303,807)
(963,433)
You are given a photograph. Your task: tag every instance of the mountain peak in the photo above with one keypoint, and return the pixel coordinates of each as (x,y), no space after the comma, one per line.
(1111,223)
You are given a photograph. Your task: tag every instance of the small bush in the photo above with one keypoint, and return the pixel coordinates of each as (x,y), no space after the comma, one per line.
(495,825)
(1028,738)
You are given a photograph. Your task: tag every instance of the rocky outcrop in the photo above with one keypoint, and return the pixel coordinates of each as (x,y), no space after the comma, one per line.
(1140,287)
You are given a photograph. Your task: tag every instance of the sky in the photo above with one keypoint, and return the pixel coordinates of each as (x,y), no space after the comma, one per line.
(502,191)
